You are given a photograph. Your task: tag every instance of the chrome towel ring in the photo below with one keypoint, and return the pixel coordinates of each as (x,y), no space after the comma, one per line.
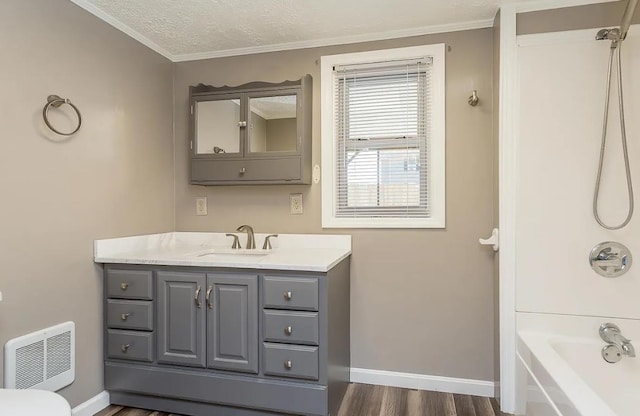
(56,101)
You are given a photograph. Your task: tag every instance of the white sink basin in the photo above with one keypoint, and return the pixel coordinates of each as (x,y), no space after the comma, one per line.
(230,251)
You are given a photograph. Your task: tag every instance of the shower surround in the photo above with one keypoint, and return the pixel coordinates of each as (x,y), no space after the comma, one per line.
(562,78)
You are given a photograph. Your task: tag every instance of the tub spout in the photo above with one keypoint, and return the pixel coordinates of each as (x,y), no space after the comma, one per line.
(611,334)
(627,349)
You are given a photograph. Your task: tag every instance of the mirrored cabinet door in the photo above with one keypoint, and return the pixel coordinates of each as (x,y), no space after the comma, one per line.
(218,126)
(273,124)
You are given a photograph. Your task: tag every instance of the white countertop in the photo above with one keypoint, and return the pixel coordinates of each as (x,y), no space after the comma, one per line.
(302,252)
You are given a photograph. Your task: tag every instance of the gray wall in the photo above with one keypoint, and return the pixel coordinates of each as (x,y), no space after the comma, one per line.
(422,301)
(573,18)
(114,178)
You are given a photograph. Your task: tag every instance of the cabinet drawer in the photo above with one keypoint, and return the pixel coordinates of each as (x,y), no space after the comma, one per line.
(130,314)
(129,284)
(291,293)
(130,345)
(291,327)
(290,361)
(255,170)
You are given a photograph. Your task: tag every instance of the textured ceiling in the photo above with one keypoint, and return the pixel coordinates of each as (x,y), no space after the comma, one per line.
(191,29)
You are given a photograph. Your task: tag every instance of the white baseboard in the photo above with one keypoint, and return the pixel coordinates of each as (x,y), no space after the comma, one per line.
(92,406)
(423,382)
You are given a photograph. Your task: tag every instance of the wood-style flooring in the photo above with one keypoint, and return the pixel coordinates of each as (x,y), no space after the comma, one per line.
(369,400)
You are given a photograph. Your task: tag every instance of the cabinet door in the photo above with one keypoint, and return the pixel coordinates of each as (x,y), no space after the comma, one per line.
(232,322)
(219,125)
(181,317)
(273,128)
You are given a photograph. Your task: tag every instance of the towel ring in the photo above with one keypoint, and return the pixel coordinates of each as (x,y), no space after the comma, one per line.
(56,101)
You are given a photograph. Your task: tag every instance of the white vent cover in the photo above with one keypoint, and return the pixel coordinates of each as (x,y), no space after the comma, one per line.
(42,360)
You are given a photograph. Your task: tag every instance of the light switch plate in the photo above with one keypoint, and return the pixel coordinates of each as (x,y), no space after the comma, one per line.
(295,202)
(201,205)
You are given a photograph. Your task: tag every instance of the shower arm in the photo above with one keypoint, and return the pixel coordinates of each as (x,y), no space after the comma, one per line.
(627,17)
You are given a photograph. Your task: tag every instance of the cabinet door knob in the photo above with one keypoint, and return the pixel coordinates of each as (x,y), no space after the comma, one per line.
(243,171)
(288,295)
(125,347)
(288,364)
(288,330)
(124,285)
(196,299)
(209,303)
(242,124)
(124,316)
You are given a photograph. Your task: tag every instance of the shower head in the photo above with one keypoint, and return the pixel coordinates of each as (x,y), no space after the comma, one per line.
(602,34)
(610,34)
(616,35)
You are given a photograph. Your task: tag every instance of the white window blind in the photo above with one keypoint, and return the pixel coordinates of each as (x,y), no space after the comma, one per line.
(382,116)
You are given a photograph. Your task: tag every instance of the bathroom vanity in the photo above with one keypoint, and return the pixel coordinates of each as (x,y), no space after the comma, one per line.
(193,327)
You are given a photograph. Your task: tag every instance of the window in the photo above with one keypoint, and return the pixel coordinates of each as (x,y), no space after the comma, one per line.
(383,139)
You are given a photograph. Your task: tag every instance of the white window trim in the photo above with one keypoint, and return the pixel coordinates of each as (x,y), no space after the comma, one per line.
(437,133)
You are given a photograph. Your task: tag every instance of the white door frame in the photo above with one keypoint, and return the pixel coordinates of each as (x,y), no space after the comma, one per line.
(507,205)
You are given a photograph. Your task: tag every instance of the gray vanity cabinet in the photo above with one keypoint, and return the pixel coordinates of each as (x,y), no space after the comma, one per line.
(232,322)
(181,318)
(204,341)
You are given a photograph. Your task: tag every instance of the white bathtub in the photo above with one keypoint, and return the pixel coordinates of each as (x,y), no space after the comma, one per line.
(562,372)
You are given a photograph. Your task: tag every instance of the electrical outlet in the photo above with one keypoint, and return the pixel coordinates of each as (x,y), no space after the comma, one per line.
(201,205)
(295,202)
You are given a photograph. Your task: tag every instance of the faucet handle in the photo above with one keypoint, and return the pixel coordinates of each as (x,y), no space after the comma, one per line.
(236,241)
(267,242)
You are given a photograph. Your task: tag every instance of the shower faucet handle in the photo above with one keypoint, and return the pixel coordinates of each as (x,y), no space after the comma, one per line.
(610,259)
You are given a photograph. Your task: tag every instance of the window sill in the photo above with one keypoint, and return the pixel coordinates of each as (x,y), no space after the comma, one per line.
(383,222)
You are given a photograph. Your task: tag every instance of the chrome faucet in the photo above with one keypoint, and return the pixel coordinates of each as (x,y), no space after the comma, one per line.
(251,241)
(617,346)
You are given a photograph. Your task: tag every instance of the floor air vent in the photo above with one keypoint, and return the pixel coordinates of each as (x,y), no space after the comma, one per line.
(41,360)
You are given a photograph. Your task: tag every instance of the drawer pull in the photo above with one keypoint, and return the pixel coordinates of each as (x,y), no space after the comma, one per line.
(288,295)
(124,285)
(209,289)
(288,330)
(197,297)
(288,364)
(125,347)
(124,316)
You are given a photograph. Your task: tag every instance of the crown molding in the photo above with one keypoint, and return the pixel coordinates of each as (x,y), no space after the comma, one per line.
(100,14)
(341,40)
(524,7)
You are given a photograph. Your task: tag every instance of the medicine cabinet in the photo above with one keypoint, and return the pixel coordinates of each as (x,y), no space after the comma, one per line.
(256,133)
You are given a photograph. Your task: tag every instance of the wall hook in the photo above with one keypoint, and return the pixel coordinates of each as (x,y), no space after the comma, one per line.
(494,240)
(473,99)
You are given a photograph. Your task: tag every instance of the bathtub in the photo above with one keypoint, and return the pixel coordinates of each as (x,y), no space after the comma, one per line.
(561,371)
